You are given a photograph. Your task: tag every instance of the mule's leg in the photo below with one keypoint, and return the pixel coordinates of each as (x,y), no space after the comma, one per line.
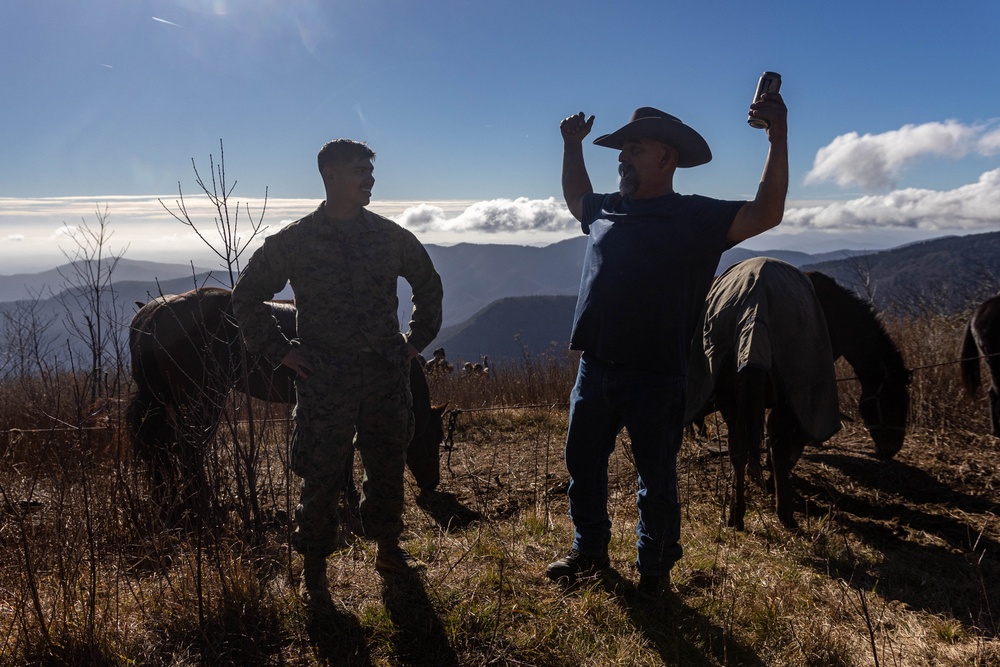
(786,441)
(153,427)
(995,408)
(746,430)
(195,426)
(725,402)
(150,430)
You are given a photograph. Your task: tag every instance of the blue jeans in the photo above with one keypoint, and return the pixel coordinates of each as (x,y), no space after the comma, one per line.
(606,398)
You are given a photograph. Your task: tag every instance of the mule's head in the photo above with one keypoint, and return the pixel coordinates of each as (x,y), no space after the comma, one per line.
(884,407)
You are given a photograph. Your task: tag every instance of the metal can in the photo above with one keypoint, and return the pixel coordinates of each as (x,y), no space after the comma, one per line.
(769,82)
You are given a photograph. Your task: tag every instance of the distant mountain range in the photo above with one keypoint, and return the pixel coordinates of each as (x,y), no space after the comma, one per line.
(942,276)
(476,275)
(49,283)
(511,302)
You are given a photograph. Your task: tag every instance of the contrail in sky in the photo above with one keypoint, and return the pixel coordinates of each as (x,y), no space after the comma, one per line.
(159,20)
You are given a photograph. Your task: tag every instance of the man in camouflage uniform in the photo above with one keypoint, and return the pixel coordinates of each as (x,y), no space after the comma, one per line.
(351,360)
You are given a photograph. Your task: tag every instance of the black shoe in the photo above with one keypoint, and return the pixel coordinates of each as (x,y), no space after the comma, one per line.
(575,565)
(652,586)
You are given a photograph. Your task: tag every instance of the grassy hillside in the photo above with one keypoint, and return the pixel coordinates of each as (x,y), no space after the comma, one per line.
(896,562)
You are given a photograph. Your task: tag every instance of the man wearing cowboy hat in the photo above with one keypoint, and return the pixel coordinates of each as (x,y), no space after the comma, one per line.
(651,257)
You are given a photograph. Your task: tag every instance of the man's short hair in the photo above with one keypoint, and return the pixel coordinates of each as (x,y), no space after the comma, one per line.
(342,151)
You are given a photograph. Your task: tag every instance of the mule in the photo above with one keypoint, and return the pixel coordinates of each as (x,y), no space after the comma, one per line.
(766,361)
(187,355)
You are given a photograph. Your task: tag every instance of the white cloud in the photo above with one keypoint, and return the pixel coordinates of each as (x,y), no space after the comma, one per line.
(973,207)
(989,144)
(874,161)
(43,226)
(422,217)
(64,232)
(496,216)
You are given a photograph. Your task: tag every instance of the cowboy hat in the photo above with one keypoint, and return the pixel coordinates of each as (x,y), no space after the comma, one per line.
(650,123)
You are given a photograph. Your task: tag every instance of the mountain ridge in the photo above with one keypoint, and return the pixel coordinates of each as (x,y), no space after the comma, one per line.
(947,274)
(938,276)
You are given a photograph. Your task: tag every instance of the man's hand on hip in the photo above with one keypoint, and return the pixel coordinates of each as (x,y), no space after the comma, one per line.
(295,360)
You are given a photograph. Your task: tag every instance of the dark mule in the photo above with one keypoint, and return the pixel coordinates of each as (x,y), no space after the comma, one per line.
(857,335)
(982,338)
(187,354)
(771,336)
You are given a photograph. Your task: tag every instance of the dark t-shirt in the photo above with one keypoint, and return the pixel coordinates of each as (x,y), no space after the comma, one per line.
(649,265)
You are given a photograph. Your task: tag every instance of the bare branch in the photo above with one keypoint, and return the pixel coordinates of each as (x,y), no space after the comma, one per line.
(226,243)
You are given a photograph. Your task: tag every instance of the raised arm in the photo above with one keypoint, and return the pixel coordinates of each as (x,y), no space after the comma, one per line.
(575,180)
(768,207)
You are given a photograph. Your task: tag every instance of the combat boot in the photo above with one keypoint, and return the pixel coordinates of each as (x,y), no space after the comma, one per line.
(393,560)
(314,589)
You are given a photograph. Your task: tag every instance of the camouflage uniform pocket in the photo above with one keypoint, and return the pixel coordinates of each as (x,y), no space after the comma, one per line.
(319,453)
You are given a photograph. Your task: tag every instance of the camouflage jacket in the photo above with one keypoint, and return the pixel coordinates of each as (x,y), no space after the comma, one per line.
(344,275)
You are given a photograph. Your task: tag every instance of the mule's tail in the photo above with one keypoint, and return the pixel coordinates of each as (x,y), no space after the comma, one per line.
(971,377)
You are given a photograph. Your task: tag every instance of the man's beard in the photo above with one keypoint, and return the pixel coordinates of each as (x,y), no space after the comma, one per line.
(628,184)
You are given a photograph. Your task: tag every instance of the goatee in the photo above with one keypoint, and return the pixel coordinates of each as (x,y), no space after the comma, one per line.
(628,184)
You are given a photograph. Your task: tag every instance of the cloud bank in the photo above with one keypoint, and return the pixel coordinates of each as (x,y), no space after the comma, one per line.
(34,232)
(496,216)
(875,161)
(973,207)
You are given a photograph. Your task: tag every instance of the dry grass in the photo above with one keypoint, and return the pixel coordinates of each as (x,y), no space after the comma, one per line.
(895,565)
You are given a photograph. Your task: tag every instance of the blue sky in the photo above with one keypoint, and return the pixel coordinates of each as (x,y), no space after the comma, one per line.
(894,109)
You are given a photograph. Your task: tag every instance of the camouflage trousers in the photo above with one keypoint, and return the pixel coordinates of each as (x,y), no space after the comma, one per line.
(350,402)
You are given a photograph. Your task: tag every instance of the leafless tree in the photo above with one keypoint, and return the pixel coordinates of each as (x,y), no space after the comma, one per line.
(861,267)
(229,242)
(89,285)
(24,332)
